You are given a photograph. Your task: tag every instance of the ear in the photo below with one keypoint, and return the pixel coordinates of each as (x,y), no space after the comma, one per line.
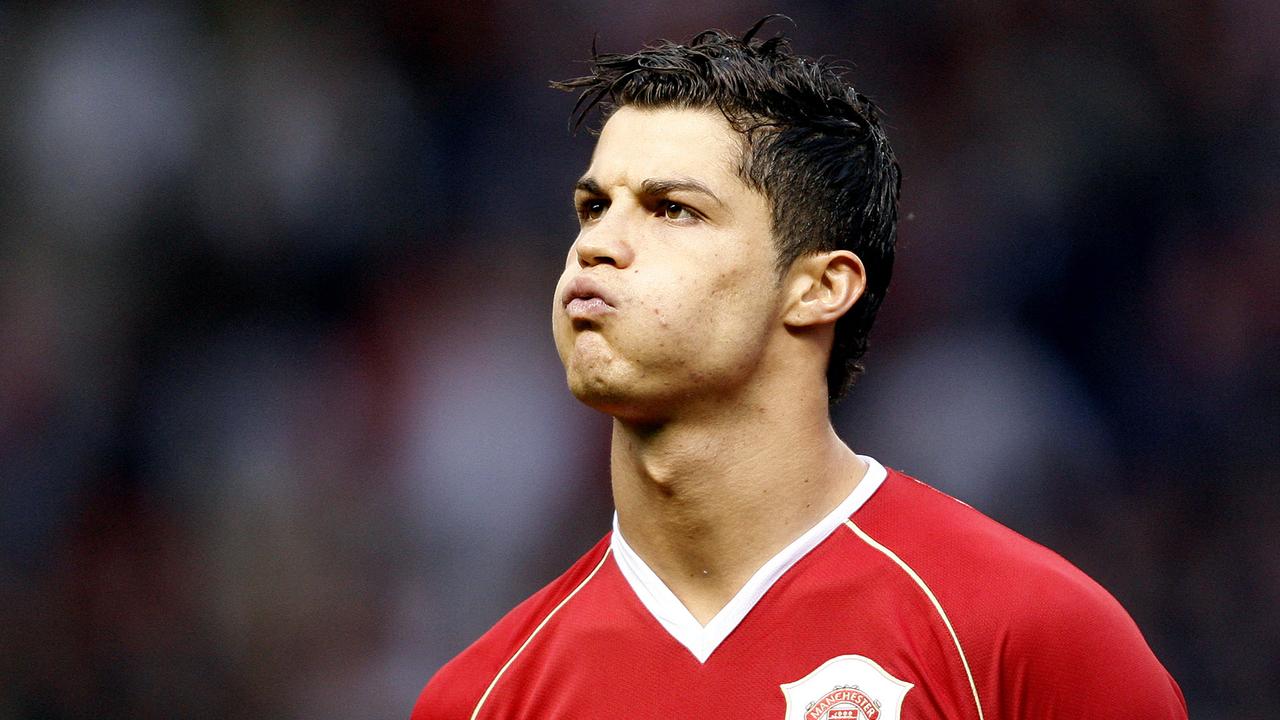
(822,287)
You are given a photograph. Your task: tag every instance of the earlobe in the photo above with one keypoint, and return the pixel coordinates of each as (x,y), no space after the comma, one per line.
(824,286)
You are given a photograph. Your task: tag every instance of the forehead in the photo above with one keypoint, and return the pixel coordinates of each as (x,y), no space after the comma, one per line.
(639,143)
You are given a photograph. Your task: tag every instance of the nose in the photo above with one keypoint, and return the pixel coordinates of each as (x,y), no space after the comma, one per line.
(605,243)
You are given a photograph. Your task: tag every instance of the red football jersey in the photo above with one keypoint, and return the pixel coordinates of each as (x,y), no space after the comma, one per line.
(902,603)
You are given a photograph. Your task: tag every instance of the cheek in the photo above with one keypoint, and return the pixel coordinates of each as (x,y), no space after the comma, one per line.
(559,321)
(566,276)
(710,314)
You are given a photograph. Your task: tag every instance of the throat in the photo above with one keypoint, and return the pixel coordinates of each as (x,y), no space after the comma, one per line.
(707,501)
(705,596)
(704,558)
(706,525)
(699,603)
(705,593)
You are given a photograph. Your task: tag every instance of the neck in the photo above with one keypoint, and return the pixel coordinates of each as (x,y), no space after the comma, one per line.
(707,501)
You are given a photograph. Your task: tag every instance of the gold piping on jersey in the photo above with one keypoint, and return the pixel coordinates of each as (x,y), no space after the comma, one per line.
(545,620)
(933,599)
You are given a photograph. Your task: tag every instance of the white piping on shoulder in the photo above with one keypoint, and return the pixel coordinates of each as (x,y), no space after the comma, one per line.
(932,598)
(475,713)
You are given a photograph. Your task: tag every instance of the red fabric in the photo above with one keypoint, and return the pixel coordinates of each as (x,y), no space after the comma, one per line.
(1041,639)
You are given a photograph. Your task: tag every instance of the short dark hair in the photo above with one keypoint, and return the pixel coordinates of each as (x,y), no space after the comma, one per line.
(815,149)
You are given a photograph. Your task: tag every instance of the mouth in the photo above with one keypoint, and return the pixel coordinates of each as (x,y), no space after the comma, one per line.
(585,299)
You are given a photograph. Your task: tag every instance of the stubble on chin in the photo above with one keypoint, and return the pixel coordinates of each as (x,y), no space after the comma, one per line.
(591,380)
(606,385)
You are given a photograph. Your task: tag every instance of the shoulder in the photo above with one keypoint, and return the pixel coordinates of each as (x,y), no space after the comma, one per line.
(456,688)
(974,559)
(1040,634)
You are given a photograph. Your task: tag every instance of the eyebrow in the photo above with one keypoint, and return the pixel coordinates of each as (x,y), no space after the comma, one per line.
(655,186)
(588,185)
(663,186)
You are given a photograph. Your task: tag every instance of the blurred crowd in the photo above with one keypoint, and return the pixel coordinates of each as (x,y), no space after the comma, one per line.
(282,426)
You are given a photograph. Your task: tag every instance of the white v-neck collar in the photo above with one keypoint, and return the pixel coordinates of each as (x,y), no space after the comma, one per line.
(702,640)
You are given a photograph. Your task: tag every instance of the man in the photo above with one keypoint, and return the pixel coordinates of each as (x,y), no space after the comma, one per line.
(737,227)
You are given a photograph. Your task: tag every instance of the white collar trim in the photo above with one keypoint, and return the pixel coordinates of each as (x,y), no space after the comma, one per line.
(702,640)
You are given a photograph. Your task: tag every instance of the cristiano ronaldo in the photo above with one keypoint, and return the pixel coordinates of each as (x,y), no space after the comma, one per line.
(737,227)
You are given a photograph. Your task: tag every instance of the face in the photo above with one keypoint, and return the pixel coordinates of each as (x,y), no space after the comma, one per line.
(669,296)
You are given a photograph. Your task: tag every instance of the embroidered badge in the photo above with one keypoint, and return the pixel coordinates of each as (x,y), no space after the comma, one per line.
(848,687)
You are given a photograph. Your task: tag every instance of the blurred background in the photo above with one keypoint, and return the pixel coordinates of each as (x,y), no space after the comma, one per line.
(283,429)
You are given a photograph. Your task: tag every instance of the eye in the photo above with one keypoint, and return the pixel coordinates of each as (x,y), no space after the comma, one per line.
(675,211)
(591,209)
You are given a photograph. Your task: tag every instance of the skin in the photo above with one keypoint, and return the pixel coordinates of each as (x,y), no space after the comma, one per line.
(712,366)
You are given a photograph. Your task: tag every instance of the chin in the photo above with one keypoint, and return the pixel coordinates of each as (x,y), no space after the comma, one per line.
(620,400)
(596,392)
(600,392)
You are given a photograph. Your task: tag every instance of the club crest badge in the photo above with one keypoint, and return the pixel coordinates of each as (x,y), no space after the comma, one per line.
(848,687)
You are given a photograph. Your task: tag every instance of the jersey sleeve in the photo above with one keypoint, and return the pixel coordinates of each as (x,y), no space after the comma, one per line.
(1043,640)
(1071,650)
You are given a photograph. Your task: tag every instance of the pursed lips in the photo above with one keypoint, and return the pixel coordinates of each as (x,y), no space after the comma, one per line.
(584,299)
